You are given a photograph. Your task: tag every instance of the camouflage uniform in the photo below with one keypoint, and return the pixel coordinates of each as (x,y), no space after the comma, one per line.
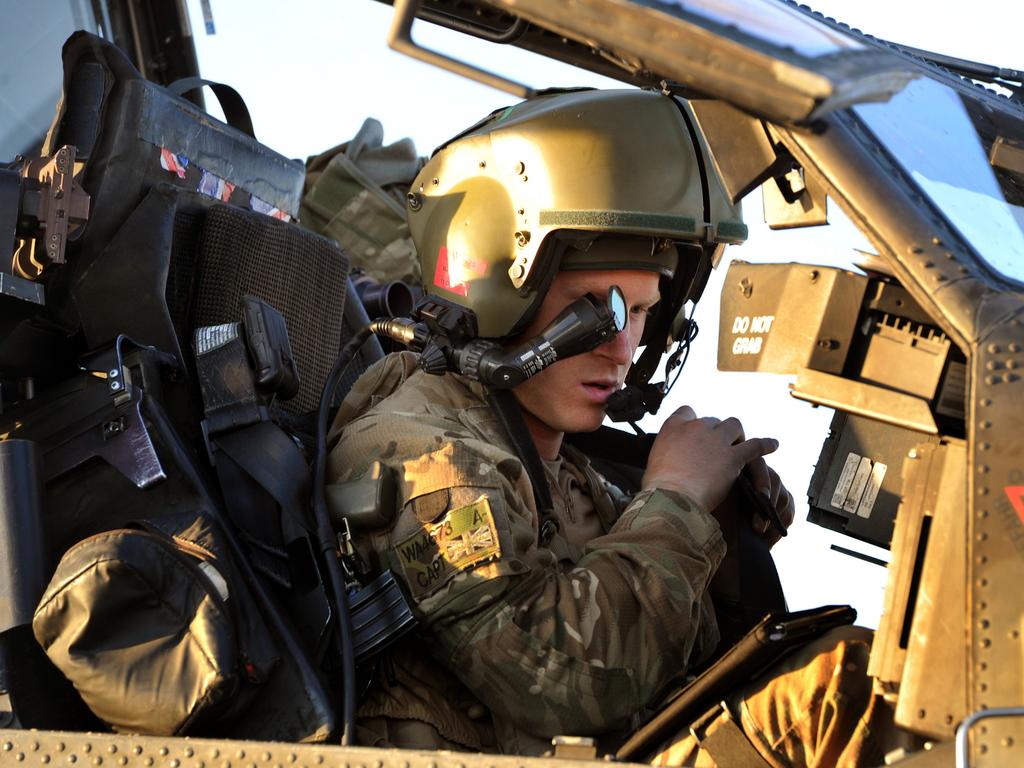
(520,642)
(573,637)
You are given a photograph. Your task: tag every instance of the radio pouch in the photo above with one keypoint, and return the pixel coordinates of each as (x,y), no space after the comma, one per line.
(155,628)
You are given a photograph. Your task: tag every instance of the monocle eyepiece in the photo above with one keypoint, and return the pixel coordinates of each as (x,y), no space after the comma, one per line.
(583,325)
(580,327)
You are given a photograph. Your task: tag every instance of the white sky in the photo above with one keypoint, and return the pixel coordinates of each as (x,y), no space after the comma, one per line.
(311,71)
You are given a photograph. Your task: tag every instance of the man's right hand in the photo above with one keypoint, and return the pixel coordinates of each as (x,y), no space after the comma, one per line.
(701,458)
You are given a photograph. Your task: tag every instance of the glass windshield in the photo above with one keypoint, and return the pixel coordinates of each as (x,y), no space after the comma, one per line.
(767,20)
(968,157)
(30,73)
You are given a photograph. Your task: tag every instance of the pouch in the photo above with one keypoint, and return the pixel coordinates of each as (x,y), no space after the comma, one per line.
(155,629)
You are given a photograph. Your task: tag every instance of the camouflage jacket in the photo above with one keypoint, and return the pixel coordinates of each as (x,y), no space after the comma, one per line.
(566,638)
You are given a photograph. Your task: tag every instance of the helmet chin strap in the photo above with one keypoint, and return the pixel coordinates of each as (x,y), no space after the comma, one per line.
(639,397)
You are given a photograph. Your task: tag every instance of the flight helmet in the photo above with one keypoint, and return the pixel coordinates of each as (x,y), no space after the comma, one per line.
(571,179)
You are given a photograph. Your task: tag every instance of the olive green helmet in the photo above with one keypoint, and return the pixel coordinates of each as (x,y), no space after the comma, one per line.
(488,208)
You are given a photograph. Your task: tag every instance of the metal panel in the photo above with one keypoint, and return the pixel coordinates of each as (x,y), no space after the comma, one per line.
(963,733)
(868,513)
(933,703)
(864,400)
(34,748)
(759,55)
(808,208)
(943,275)
(888,653)
(973,306)
(781,318)
(996,537)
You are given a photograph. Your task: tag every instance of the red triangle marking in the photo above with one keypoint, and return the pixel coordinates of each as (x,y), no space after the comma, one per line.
(1015,493)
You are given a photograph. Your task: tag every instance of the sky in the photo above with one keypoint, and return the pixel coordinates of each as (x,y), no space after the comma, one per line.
(312,71)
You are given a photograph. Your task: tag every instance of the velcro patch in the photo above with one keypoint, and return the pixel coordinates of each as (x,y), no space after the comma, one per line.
(463,537)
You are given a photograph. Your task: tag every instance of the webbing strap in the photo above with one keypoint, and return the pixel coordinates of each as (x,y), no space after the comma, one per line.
(265,482)
(270,458)
(510,415)
(725,742)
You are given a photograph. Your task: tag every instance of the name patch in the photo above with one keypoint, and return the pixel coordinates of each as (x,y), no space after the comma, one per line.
(462,538)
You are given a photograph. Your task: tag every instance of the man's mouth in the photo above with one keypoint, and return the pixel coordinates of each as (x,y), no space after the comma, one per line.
(601,389)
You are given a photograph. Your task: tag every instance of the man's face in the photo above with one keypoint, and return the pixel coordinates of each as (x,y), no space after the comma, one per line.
(570,395)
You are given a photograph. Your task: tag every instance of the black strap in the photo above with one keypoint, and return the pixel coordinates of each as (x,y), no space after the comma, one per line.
(510,415)
(265,482)
(273,460)
(231,101)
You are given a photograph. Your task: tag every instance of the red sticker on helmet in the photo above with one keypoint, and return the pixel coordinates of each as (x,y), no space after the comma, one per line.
(453,270)
(443,273)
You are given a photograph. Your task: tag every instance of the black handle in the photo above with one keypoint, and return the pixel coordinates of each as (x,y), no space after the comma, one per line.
(231,101)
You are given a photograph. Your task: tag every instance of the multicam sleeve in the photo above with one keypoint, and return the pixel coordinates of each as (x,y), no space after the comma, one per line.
(550,647)
(581,651)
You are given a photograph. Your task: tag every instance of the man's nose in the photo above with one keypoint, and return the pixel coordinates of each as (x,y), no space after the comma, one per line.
(619,349)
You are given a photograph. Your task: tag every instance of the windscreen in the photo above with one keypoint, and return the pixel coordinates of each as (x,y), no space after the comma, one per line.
(766,20)
(967,155)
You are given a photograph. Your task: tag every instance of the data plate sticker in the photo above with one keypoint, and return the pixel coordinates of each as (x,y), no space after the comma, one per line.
(845,480)
(867,501)
(860,482)
(858,485)
(462,538)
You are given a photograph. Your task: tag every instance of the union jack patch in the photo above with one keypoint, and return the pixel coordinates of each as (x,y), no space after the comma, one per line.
(462,538)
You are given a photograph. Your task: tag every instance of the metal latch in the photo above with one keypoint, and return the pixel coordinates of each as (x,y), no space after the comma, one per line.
(574,747)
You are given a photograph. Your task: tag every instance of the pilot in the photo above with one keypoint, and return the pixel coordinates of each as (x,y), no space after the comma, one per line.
(574,619)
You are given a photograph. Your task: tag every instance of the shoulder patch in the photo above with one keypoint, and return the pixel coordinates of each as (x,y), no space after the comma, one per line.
(462,538)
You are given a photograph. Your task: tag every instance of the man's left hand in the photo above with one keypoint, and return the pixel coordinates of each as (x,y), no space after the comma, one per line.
(766,481)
